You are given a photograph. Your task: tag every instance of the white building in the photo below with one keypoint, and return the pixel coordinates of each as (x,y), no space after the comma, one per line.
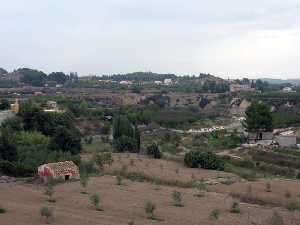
(287,90)
(126,82)
(168,82)
(158,82)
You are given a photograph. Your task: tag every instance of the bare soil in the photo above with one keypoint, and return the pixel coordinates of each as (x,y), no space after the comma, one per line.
(124,203)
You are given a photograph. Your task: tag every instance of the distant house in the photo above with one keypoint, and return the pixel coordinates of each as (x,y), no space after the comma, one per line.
(15,107)
(240,88)
(126,82)
(60,170)
(168,81)
(287,90)
(51,104)
(158,82)
(287,141)
(260,137)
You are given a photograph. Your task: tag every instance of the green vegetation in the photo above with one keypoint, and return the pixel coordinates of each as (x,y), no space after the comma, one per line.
(47,213)
(149,209)
(258,118)
(276,219)
(34,138)
(4,104)
(49,191)
(119,180)
(235,207)
(205,160)
(153,150)
(84,179)
(214,214)
(95,201)
(177,199)
(126,136)
(2,210)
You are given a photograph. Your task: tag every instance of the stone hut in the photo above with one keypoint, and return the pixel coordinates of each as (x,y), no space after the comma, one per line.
(60,170)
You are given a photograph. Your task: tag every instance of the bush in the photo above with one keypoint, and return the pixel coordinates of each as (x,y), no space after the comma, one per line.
(292,205)
(88,167)
(205,160)
(95,201)
(16,169)
(235,207)
(126,144)
(153,150)
(276,219)
(102,159)
(177,199)
(214,214)
(84,179)
(288,194)
(49,191)
(119,180)
(149,209)
(268,187)
(2,210)
(47,213)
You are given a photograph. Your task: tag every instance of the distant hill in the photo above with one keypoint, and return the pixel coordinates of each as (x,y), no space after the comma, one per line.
(281,81)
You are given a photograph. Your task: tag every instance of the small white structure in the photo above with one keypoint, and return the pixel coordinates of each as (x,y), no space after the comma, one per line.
(168,82)
(158,82)
(287,90)
(126,82)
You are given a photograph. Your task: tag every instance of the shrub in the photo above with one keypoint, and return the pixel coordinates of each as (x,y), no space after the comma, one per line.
(235,207)
(288,194)
(153,150)
(95,201)
(101,159)
(149,209)
(205,160)
(84,179)
(49,191)
(47,213)
(276,219)
(292,205)
(88,167)
(16,169)
(201,187)
(268,187)
(177,199)
(214,214)
(119,180)
(2,210)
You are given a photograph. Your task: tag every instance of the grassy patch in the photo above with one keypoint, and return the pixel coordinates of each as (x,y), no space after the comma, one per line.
(141,177)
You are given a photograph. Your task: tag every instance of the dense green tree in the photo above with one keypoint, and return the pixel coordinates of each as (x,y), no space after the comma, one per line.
(4,104)
(122,127)
(32,77)
(58,77)
(153,150)
(66,140)
(258,118)
(126,144)
(2,71)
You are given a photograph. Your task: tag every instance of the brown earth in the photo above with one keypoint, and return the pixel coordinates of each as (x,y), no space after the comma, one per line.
(122,204)
(125,203)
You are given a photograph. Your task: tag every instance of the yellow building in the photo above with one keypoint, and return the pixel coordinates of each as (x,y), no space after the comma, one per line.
(15,106)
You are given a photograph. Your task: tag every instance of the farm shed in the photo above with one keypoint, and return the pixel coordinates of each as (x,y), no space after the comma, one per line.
(60,170)
(286,140)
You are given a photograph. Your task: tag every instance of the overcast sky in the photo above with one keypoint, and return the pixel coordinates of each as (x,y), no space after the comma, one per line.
(229,38)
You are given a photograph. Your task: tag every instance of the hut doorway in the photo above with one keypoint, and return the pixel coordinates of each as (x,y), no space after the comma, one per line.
(67,177)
